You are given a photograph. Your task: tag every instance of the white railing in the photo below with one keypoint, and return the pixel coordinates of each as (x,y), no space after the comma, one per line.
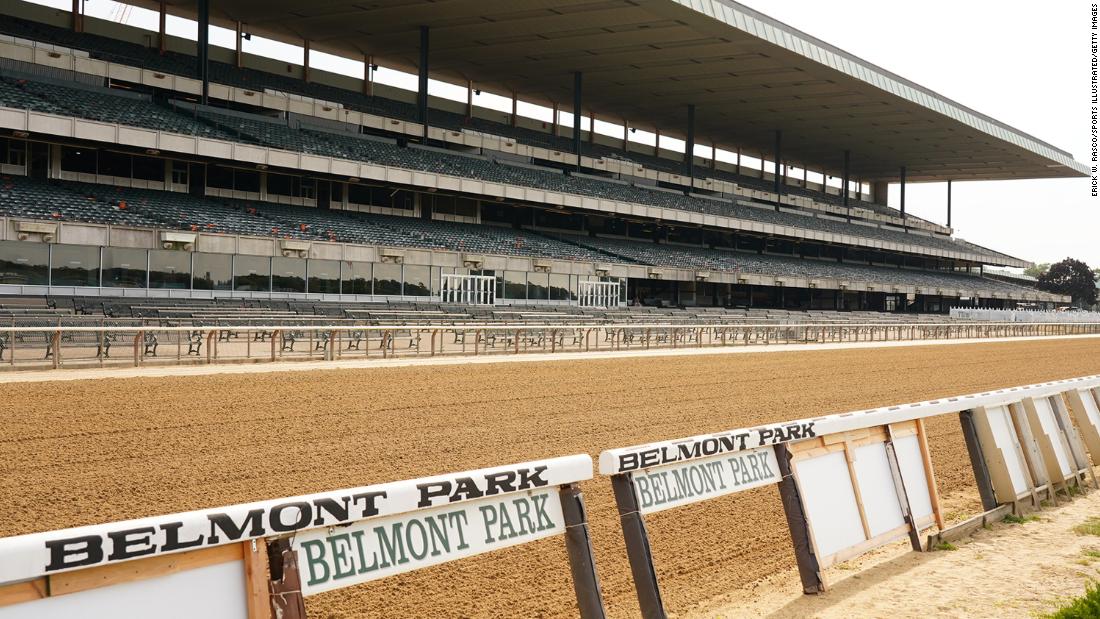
(999,315)
(52,346)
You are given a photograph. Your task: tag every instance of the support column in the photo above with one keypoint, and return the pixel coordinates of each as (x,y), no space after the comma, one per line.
(591,126)
(203,55)
(902,171)
(626,136)
(738,160)
(846,180)
(515,108)
(162,37)
(778,168)
(422,83)
(809,570)
(880,192)
(305,61)
(578,101)
(78,16)
(657,143)
(368,76)
(977,460)
(239,59)
(713,156)
(689,149)
(557,119)
(948,204)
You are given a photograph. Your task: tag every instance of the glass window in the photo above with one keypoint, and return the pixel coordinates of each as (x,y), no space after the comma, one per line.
(124,268)
(148,168)
(515,285)
(246,180)
(538,288)
(417,281)
(111,163)
(252,273)
(78,159)
(324,276)
(559,287)
(356,277)
(24,263)
(219,177)
(169,269)
(387,279)
(288,274)
(75,265)
(279,184)
(179,172)
(213,272)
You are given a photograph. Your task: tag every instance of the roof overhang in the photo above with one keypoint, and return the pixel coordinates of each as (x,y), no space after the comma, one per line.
(646,60)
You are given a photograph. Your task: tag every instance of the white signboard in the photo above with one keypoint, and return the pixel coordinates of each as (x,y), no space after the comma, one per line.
(691,481)
(30,556)
(337,557)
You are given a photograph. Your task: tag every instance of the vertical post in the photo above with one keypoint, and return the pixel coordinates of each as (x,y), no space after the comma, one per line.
(578,100)
(977,460)
(657,143)
(305,61)
(809,570)
(422,83)
(689,149)
(204,48)
(591,126)
(256,565)
(903,197)
(578,545)
(847,181)
(515,108)
(368,75)
(557,118)
(78,17)
(637,547)
(239,59)
(162,35)
(626,135)
(713,156)
(778,171)
(738,160)
(948,204)
(287,601)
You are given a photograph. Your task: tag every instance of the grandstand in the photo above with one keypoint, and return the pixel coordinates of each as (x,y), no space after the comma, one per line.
(139,166)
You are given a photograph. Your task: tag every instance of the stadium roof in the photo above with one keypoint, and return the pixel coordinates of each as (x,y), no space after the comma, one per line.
(647,60)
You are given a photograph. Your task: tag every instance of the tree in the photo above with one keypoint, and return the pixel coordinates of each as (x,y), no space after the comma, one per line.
(1037,270)
(1072,278)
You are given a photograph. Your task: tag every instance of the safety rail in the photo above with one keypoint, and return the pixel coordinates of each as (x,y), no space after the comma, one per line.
(45,346)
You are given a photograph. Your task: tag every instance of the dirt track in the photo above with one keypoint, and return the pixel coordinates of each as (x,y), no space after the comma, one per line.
(84,452)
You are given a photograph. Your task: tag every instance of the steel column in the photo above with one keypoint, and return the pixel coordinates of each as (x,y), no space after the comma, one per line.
(778,171)
(203,55)
(903,196)
(578,100)
(948,204)
(422,82)
(689,149)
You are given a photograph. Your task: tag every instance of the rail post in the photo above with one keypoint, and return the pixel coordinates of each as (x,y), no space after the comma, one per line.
(56,348)
(977,460)
(276,334)
(809,570)
(210,339)
(638,551)
(578,545)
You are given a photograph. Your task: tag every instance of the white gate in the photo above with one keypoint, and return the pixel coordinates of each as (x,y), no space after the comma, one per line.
(598,294)
(469,289)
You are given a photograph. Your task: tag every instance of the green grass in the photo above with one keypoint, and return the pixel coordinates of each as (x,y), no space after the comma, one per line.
(1091,553)
(1085,607)
(1014,519)
(945,546)
(1088,527)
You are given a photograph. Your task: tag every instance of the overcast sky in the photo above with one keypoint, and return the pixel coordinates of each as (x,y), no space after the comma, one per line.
(1026,67)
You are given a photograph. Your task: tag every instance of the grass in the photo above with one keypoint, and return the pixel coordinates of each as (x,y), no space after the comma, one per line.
(946,546)
(1091,553)
(1088,527)
(1085,607)
(1014,519)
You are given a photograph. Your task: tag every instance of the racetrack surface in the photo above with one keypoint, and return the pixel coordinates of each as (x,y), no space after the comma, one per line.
(84,452)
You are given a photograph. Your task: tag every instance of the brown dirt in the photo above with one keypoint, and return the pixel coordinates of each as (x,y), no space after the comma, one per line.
(85,452)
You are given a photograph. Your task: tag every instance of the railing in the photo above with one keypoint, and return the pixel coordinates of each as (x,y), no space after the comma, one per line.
(91,346)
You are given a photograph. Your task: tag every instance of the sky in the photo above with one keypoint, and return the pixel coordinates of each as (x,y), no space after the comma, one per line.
(1026,67)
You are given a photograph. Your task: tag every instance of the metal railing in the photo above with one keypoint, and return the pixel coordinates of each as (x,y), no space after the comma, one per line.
(42,347)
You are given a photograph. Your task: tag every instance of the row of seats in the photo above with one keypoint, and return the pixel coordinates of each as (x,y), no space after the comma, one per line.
(182,64)
(699,258)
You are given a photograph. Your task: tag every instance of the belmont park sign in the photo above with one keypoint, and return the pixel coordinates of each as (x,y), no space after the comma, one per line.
(341,537)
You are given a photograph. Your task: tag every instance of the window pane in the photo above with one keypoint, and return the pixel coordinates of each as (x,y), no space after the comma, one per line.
(387,279)
(324,276)
(515,285)
(169,269)
(213,272)
(559,287)
(78,159)
(538,286)
(252,273)
(288,275)
(417,281)
(124,268)
(75,265)
(356,277)
(24,263)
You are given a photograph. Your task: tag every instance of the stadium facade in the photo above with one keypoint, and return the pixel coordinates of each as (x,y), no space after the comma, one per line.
(139,164)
